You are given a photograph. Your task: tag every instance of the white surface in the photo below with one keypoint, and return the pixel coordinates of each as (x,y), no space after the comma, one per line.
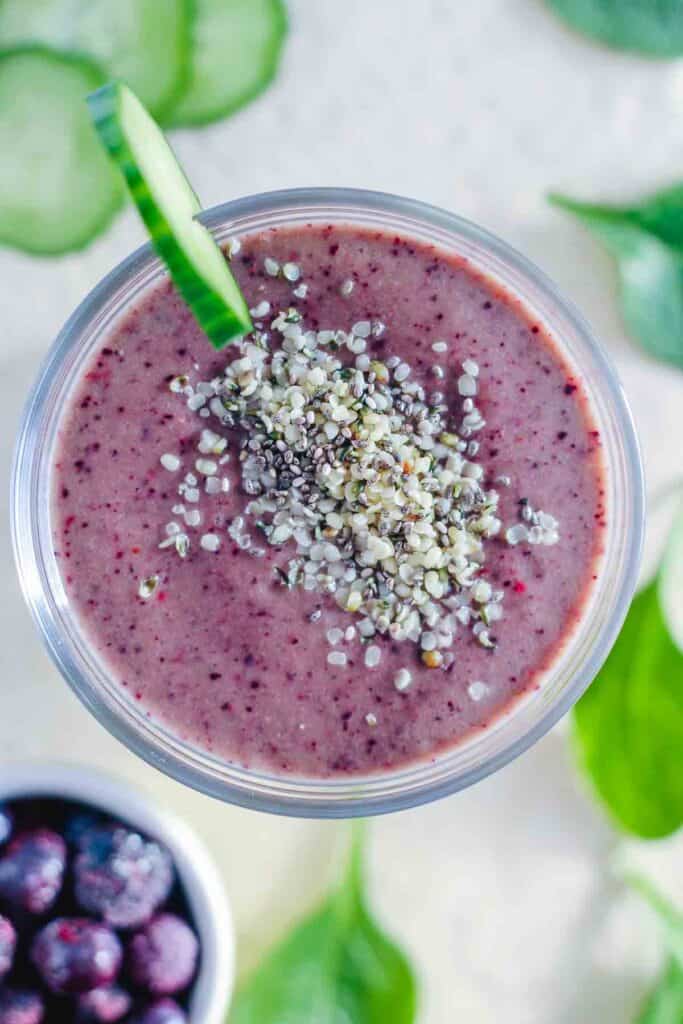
(504,894)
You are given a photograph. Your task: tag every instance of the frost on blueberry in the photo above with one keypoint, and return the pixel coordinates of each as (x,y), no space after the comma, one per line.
(120,876)
(8,943)
(20,1007)
(6,823)
(162,957)
(76,955)
(105,1005)
(75,886)
(32,870)
(165,1011)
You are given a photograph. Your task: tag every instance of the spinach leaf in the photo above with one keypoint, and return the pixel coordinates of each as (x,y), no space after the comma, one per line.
(664,1005)
(647,242)
(628,726)
(651,27)
(671,919)
(336,967)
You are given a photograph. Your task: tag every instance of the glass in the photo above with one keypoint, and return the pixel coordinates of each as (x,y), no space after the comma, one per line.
(452,770)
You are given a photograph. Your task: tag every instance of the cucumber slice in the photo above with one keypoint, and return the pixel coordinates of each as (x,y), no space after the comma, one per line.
(236,50)
(144,42)
(57,188)
(168,206)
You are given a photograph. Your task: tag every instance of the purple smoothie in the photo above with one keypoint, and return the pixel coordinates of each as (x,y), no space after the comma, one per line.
(221,653)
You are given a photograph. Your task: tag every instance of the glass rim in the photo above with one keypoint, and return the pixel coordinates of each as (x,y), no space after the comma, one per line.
(417,782)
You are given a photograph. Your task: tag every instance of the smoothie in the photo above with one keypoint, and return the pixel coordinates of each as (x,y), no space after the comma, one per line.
(349,542)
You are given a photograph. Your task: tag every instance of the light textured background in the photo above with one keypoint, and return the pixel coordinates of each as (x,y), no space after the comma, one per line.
(504,895)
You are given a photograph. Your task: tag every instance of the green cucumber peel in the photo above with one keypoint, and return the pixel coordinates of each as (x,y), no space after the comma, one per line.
(169,208)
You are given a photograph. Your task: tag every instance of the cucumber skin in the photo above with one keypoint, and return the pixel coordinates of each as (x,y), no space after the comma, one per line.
(79,242)
(218,321)
(271,69)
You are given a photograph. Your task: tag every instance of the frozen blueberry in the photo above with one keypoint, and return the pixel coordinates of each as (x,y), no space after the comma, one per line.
(121,876)
(32,870)
(78,826)
(163,955)
(20,1007)
(6,823)
(104,1005)
(8,943)
(73,954)
(165,1011)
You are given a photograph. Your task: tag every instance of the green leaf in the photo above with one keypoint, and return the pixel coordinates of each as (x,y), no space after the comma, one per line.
(671,579)
(647,243)
(669,916)
(664,1005)
(628,727)
(336,967)
(651,27)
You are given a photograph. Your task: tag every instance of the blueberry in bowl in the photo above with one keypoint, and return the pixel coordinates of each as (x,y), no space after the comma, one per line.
(164,1011)
(8,945)
(5,824)
(163,955)
(121,876)
(110,910)
(76,954)
(32,869)
(105,1005)
(18,1006)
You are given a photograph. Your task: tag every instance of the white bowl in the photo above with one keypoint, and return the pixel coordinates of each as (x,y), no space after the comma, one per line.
(196,870)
